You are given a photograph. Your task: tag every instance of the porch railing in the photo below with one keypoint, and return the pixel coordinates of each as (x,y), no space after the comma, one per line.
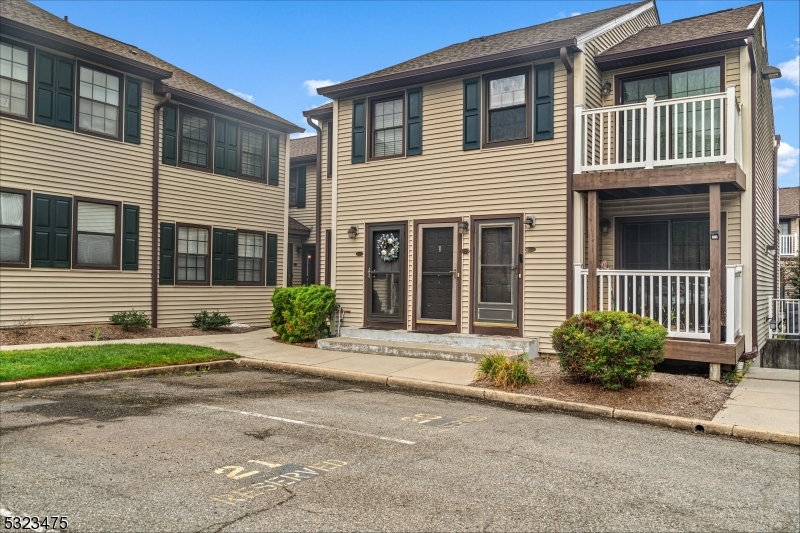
(677,299)
(784,318)
(678,131)
(789,245)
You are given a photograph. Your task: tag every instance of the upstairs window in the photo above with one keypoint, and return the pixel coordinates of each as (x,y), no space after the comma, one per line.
(507,107)
(253,148)
(15,79)
(98,97)
(97,234)
(195,139)
(387,128)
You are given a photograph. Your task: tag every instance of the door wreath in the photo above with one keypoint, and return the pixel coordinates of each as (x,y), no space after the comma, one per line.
(388,247)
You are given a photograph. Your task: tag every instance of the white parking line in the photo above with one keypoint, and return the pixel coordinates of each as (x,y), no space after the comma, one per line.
(307,424)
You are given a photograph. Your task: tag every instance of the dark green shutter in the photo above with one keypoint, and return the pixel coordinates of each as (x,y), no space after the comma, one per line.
(226,147)
(472,114)
(272,259)
(167,254)
(52,231)
(543,102)
(55,91)
(359,142)
(274,157)
(169,146)
(301,187)
(223,257)
(130,237)
(414,142)
(133,111)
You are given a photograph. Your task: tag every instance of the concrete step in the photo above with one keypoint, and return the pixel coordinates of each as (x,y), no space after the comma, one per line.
(418,350)
(484,343)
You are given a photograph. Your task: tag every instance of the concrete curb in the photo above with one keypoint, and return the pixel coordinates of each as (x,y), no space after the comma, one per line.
(674,422)
(115,374)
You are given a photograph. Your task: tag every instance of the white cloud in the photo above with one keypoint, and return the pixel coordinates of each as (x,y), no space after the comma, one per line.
(788,157)
(243,96)
(312,85)
(783,92)
(791,70)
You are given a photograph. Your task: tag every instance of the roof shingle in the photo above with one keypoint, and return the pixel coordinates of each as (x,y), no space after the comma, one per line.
(789,201)
(302,147)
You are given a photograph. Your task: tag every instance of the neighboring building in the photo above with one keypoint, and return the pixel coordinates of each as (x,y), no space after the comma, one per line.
(98,216)
(514,168)
(788,220)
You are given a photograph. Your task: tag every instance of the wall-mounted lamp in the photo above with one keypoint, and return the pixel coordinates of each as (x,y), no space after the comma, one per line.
(352,232)
(770,248)
(530,221)
(463,227)
(299,249)
(770,73)
(605,225)
(772,323)
(714,235)
(606,89)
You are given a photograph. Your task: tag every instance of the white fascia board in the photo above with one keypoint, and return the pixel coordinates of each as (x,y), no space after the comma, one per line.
(755,19)
(591,34)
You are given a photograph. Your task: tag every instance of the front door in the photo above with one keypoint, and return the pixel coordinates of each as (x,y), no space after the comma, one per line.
(385,276)
(309,269)
(437,276)
(497,274)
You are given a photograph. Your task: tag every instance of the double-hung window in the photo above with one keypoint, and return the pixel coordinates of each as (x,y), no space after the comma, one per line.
(14,227)
(250,258)
(96,234)
(99,102)
(15,79)
(387,127)
(252,154)
(192,264)
(507,107)
(195,140)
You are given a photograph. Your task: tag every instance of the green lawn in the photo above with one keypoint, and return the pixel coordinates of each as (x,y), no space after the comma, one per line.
(44,362)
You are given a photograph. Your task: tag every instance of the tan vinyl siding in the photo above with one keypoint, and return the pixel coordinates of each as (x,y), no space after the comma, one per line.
(327,185)
(446,181)
(307,215)
(673,205)
(194,197)
(593,78)
(54,161)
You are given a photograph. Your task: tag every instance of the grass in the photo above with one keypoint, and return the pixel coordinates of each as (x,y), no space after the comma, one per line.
(505,373)
(46,362)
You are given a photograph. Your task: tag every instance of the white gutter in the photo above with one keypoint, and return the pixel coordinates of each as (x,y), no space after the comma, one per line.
(591,34)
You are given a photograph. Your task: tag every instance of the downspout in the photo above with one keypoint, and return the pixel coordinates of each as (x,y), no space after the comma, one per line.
(154,210)
(754,249)
(570,168)
(775,213)
(318,200)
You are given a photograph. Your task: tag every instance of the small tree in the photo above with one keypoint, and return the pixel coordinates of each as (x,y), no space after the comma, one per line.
(300,313)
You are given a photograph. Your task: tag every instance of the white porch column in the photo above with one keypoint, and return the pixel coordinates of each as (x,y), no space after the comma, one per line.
(579,139)
(730,125)
(650,133)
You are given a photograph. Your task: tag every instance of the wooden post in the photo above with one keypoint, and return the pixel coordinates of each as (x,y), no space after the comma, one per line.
(715,225)
(593,225)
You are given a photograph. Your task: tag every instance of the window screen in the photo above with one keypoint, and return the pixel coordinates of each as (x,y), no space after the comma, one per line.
(98,110)
(194,140)
(250,257)
(388,128)
(13,79)
(192,254)
(253,154)
(12,220)
(507,109)
(97,228)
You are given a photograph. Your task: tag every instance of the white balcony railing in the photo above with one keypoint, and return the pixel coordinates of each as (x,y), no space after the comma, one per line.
(789,245)
(678,131)
(677,299)
(784,318)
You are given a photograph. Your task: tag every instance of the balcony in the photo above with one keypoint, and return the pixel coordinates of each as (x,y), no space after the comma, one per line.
(677,142)
(788,245)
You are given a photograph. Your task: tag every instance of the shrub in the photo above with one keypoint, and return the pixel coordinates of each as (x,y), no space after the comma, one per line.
(300,313)
(205,320)
(612,347)
(505,373)
(130,320)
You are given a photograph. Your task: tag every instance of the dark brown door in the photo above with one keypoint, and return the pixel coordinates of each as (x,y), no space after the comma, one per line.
(309,265)
(438,274)
(386,283)
(495,299)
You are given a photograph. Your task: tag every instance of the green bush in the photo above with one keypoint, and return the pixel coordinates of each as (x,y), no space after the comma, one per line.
(614,348)
(205,320)
(130,320)
(300,313)
(505,373)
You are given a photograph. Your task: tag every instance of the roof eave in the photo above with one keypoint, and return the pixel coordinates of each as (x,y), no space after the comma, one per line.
(672,50)
(303,159)
(319,114)
(448,70)
(204,102)
(47,39)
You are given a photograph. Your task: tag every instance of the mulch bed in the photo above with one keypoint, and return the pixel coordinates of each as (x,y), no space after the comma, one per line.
(108,332)
(686,395)
(305,344)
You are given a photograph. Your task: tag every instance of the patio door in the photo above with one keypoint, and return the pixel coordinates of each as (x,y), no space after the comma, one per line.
(437,279)
(386,275)
(495,297)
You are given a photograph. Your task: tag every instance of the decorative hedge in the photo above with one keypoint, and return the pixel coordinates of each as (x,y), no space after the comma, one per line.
(300,313)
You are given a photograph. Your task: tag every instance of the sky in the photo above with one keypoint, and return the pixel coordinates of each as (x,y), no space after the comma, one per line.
(275,54)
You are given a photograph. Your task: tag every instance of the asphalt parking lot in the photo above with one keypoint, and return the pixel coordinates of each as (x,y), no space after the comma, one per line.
(263,451)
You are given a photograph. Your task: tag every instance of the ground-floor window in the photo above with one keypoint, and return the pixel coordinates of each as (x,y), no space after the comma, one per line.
(13,227)
(676,244)
(192,255)
(96,234)
(250,258)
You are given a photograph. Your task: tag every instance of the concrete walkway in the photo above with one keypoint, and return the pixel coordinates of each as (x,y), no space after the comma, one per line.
(257,344)
(766,398)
